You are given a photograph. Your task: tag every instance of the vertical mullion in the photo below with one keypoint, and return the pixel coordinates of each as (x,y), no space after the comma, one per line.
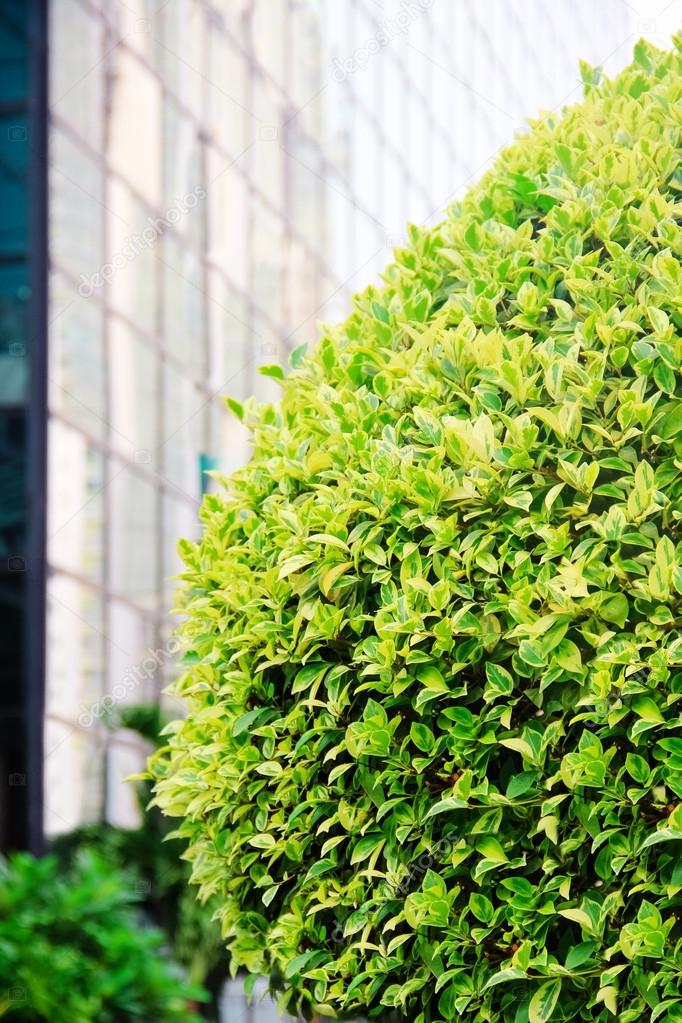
(107,36)
(34,653)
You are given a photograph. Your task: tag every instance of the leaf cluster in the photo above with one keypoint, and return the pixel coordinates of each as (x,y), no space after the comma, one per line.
(73,950)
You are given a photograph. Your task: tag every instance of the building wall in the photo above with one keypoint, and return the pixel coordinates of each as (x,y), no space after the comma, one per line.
(222,176)
(22,416)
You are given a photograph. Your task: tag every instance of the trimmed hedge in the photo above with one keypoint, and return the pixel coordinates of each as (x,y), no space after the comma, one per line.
(432,762)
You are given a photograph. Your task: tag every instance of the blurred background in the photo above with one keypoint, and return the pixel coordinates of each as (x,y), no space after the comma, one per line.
(188,187)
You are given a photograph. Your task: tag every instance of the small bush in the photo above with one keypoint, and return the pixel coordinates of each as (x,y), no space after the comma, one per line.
(72,949)
(432,760)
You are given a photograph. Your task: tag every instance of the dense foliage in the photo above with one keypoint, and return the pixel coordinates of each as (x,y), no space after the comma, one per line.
(432,762)
(153,863)
(72,949)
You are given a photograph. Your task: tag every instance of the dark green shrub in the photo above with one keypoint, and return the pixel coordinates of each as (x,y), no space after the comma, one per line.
(73,950)
(432,760)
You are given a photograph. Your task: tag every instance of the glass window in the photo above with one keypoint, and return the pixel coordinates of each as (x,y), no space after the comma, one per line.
(74,777)
(182,45)
(307,179)
(184,436)
(13,191)
(135,144)
(184,300)
(268,266)
(76,381)
(77,67)
(133,532)
(76,212)
(139,23)
(228,219)
(303,284)
(184,180)
(266,157)
(132,261)
(180,520)
(270,36)
(231,341)
(14,51)
(227,94)
(75,633)
(13,487)
(134,385)
(134,658)
(76,486)
(14,333)
(305,61)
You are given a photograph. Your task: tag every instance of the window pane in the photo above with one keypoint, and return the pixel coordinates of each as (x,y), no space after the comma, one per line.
(76,67)
(74,777)
(268,269)
(14,51)
(228,117)
(228,219)
(76,211)
(13,190)
(184,299)
(13,486)
(184,186)
(75,629)
(184,417)
(184,25)
(76,486)
(231,351)
(76,362)
(134,661)
(133,532)
(131,264)
(135,145)
(14,335)
(134,382)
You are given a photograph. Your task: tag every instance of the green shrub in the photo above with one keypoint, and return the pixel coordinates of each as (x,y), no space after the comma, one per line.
(72,949)
(432,761)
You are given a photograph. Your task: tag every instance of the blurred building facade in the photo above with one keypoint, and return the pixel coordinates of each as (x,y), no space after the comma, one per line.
(222,175)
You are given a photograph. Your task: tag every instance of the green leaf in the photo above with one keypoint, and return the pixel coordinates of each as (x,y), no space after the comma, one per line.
(662,835)
(422,737)
(298,355)
(543,1002)
(445,805)
(431,677)
(263,841)
(532,653)
(489,847)
(235,407)
(276,372)
(363,849)
(644,707)
(579,954)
